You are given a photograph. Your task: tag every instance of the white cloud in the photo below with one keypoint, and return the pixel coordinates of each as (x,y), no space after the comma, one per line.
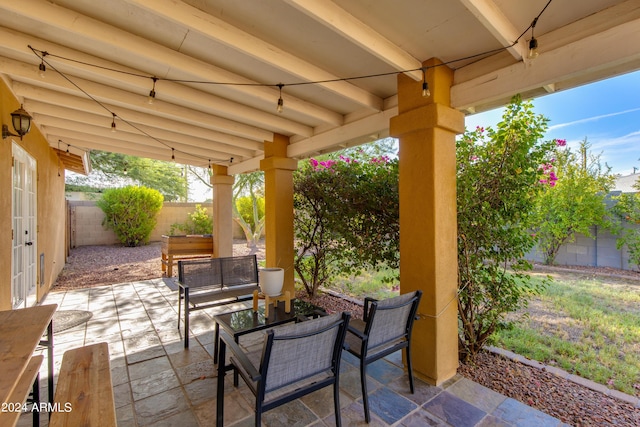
(592,119)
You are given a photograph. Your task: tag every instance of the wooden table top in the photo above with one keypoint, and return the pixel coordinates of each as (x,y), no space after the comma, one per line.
(20,333)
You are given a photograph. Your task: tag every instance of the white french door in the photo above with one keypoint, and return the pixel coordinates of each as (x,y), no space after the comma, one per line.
(23,263)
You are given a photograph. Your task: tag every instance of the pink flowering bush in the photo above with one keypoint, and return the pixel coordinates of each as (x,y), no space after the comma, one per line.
(346,216)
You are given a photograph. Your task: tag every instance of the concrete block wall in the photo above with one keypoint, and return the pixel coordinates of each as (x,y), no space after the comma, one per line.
(173,213)
(86,223)
(600,251)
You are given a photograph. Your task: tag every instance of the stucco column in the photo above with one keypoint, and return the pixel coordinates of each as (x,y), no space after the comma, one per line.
(222,193)
(427,127)
(278,186)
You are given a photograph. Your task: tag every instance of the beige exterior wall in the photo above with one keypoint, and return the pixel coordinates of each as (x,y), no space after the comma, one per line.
(50,204)
(86,223)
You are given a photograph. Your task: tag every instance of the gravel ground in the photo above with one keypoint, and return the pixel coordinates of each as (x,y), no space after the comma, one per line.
(570,402)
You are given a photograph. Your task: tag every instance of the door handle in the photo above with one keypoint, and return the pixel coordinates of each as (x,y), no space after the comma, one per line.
(28,243)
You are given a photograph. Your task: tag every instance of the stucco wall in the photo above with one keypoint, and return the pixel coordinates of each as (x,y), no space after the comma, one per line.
(50,204)
(86,222)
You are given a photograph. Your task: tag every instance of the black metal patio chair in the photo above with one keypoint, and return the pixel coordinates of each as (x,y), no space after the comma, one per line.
(294,361)
(386,329)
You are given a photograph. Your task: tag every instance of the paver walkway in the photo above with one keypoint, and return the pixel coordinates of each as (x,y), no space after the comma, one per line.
(159,383)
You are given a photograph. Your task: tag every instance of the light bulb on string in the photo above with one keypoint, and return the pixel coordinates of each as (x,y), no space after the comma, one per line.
(113,123)
(173,155)
(533,43)
(533,48)
(42,68)
(152,93)
(425,86)
(280,106)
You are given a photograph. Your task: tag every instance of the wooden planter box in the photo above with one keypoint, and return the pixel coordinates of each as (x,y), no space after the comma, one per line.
(175,248)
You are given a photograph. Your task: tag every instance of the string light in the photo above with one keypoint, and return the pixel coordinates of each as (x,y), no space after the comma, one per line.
(532,53)
(280,106)
(173,155)
(425,86)
(42,68)
(533,43)
(152,93)
(67,148)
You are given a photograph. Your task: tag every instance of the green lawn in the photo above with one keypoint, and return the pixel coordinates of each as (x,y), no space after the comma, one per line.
(587,325)
(372,284)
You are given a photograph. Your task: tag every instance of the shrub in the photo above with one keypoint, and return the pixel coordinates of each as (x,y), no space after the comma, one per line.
(572,201)
(498,181)
(198,222)
(346,217)
(131,213)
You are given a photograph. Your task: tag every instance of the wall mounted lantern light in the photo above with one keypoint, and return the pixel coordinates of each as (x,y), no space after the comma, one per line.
(21,121)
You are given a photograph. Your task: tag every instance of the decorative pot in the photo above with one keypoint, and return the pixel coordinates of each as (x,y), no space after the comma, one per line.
(271,281)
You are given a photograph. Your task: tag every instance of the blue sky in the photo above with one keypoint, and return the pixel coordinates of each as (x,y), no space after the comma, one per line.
(607,113)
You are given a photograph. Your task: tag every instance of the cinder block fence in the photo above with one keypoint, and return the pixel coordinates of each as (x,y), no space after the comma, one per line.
(86,229)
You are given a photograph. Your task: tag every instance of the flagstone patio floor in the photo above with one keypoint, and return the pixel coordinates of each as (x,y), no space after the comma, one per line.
(156,382)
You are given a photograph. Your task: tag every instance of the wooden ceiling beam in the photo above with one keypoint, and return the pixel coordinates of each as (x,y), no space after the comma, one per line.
(220,31)
(490,15)
(148,56)
(333,16)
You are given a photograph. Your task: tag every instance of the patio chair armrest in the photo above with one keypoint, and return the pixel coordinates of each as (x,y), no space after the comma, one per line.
(240,356)
(356,332)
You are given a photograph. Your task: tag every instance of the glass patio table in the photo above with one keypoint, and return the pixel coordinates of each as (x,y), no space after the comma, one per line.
(242,322)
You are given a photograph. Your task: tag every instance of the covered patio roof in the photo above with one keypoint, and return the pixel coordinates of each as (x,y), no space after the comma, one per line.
(217,64)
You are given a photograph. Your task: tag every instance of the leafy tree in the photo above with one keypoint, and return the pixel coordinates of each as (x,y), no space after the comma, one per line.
(131,213)
(248,206)
(248,202)
(627,209)
(198,222)
(498,181)
(111,169)
(346,216)
(572,201)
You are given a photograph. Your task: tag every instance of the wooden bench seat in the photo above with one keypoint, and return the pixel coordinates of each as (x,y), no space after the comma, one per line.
(29,381)
(84,395)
